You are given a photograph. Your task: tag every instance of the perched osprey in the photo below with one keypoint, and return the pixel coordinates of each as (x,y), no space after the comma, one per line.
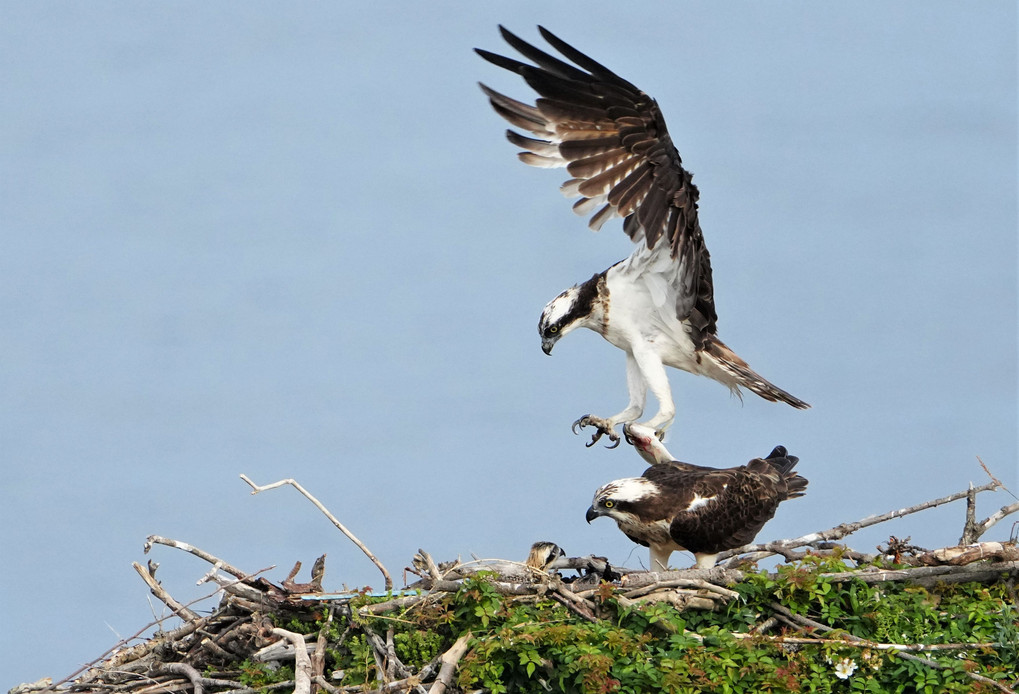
(657,305)
(677,506)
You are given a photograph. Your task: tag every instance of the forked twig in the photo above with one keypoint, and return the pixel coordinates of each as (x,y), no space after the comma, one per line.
(148,575)
(318,504)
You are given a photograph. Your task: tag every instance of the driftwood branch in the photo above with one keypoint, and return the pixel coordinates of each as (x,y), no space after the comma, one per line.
(984,525)
(450,659)
(928,575)
(201,554)
(759,551)
(148,575)
(302,667)
(318,504)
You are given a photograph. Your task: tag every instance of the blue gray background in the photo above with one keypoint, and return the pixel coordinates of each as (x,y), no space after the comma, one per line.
(289,240)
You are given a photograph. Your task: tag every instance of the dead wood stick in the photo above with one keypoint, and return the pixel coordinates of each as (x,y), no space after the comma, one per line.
(824,628)
(141,649)
(449,661)
(321,681)
(945,573)
(395,603)
(318,504)
(984,525)
(391,659)
(969,528)
(760,629)
(864,643)
(386,659)
(318,658)
(197,681)
(574,603)
(498,586)
(717,575)
(201,554)
(148,575)
(757,551)
(683,583)
(302,663)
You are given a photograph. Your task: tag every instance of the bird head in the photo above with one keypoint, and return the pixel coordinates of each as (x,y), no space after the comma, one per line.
(560,316)
(543,554)
(615,499)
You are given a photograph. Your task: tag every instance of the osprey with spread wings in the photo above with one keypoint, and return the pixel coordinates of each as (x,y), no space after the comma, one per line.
(657,305)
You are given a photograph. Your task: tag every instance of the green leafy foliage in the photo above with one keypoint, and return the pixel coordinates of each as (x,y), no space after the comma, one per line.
(535,644)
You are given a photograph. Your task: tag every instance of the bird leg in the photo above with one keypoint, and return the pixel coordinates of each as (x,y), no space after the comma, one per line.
(636,385)
(652,373)
(647,443)
(604,427)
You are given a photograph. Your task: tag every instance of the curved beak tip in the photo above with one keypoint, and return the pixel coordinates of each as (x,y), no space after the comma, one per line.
(591,514)
(546,347)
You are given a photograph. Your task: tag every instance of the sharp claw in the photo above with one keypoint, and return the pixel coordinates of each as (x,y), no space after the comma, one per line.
(585,421)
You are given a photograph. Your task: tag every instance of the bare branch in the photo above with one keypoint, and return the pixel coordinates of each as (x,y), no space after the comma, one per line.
(984,525)
(197,681)
(149,576)
(716,575)
(683,583)
(449,662)
(318,504)
(759,551)
(929,574)
(302,663)
(191,549)
(969,529)
(138,650)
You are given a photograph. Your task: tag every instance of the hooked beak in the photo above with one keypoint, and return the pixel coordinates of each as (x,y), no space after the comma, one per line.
(547,344)
(591,514)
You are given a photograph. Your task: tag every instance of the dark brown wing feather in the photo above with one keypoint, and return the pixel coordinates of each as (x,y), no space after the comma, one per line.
(745,498)
(613,140)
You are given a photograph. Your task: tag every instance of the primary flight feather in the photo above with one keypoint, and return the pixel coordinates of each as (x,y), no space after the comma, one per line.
(658,304)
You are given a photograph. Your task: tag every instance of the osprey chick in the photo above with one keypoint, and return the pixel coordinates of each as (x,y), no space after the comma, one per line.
(676,506)
(658,304)
(543,555)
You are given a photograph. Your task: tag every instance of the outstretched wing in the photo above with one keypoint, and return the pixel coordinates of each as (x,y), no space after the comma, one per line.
(612,139)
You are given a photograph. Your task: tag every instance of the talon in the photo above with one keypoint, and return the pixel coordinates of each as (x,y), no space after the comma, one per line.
(602,426)
(660,434)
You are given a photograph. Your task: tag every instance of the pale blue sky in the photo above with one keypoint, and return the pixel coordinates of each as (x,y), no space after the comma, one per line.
(289,240)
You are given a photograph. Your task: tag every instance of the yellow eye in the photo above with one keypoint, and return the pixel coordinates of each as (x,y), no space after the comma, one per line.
(553,329)
(609,503)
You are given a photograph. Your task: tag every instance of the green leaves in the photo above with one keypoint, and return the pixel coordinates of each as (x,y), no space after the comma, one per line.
(534,644)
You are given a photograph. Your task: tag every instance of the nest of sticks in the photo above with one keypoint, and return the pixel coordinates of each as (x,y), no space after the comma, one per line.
(202,654)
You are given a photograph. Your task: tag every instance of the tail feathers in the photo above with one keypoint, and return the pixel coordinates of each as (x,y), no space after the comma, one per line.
(743,375)
(781,462)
